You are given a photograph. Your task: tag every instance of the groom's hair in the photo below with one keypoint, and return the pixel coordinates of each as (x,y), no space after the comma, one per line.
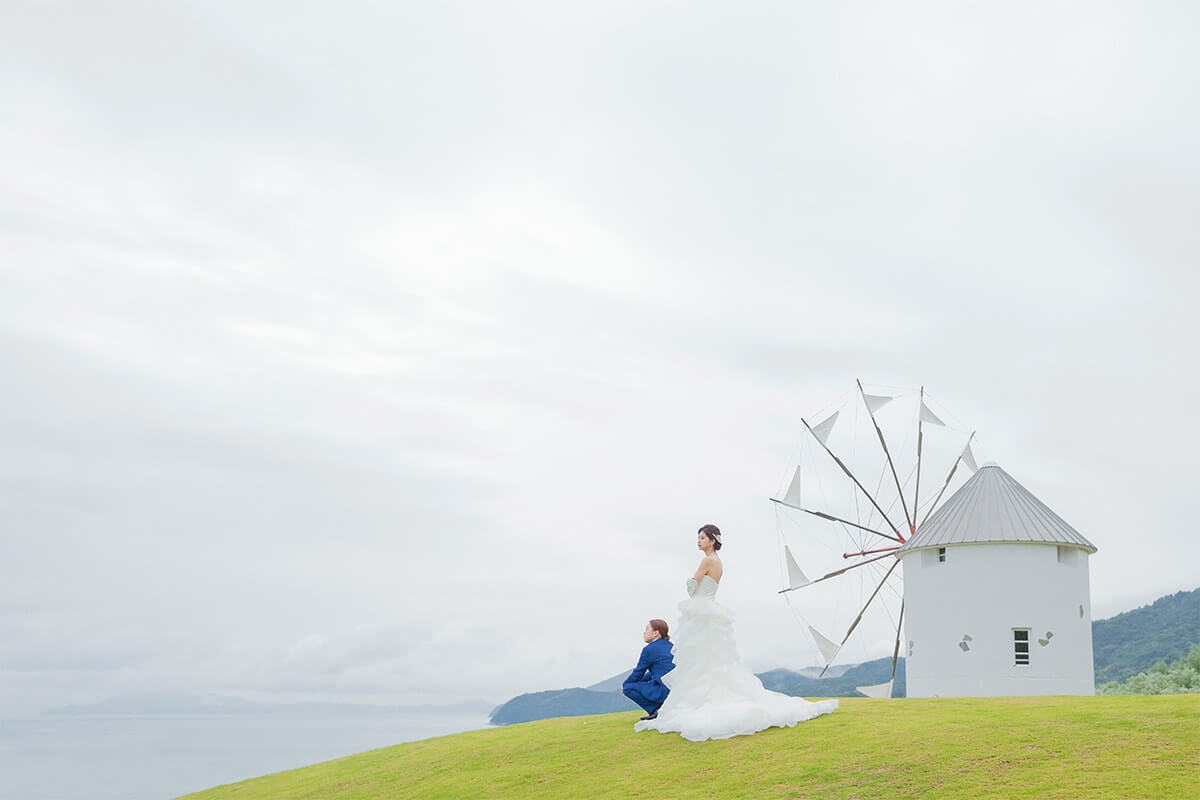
(714,535)
(660,625)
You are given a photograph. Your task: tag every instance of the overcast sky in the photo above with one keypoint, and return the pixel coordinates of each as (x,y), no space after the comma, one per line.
(394,352)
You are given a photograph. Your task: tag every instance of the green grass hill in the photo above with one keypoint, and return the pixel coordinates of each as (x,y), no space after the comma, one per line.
(950,748)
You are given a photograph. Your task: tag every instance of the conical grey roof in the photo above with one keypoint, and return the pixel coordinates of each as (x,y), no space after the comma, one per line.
(992,507)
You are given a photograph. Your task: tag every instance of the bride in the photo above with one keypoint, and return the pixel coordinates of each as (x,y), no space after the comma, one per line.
(713,695)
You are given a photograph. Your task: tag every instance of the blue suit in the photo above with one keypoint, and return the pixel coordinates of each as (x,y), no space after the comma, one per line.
(644,685)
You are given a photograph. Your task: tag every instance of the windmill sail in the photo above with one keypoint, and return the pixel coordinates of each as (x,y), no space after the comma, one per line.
(792,497)
(929,416)
(969,458)
(796,577)
(828,649)
(879,690)
(876,401)
(822,430)
(887,453)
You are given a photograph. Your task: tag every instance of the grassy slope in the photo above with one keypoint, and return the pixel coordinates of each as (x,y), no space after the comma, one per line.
(1030,747)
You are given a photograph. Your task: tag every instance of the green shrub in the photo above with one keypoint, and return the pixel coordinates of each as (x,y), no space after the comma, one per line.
(1178,677)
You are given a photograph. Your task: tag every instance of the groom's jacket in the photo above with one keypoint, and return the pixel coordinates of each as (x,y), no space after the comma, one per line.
(656,661)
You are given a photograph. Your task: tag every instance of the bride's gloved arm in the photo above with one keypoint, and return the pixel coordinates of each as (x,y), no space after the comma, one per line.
(691,586)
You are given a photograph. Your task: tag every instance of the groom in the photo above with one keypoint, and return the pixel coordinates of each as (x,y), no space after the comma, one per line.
(644,685)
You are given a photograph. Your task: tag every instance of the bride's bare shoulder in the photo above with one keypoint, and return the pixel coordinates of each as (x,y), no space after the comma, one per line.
(710,565)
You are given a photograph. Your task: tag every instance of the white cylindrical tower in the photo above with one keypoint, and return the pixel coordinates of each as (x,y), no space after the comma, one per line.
(996,597)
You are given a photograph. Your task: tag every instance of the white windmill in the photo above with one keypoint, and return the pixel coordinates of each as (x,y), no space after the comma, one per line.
(996,586)
(994,595)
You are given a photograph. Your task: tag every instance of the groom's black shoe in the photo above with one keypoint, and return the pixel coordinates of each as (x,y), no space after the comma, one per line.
(652,715)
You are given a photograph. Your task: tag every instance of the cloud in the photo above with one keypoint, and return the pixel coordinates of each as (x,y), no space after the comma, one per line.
(400,354)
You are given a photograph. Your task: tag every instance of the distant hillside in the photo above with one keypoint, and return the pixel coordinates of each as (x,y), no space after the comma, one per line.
(605,697)
(560,703)
(868,673)
(1136,640)
(613,684)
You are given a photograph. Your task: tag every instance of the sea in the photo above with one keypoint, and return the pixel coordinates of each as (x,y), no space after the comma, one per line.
(160,757)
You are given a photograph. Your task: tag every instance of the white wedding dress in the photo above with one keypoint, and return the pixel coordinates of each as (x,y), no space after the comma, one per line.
(713,695)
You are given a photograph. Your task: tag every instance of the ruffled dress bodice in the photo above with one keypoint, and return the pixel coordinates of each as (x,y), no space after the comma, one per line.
(706,588)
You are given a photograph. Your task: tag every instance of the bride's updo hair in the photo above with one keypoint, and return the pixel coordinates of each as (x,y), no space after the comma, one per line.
(714,535)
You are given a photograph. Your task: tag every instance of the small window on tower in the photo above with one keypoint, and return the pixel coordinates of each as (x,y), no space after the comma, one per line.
(941,555)
(1021,646)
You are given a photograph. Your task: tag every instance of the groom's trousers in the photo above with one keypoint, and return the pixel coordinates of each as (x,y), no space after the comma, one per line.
(634,692)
